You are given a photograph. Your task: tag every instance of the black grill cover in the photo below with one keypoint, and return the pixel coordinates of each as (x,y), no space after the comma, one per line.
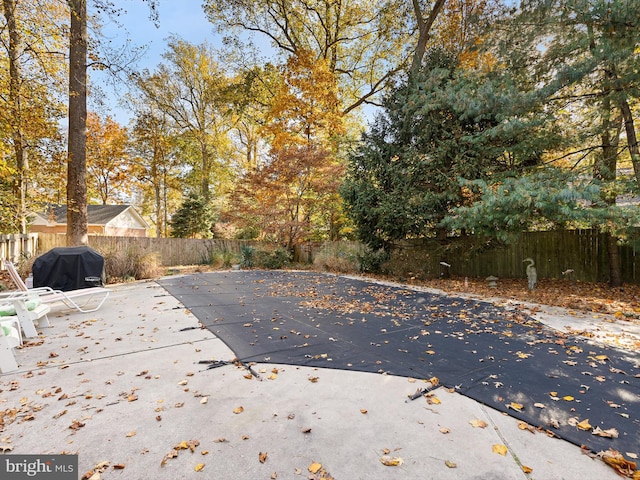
(69,268)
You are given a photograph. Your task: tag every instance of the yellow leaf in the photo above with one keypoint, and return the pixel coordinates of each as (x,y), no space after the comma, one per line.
(239,409)
(131,434)
(315,467)
(516,406)
(430,352)
(433,401)
(499,449)
(434,381)
(199,467)
(526,469)
(525,426)
(450,464)
(477,423)
(273,376)
(584,425)
(568,398)
(391,461)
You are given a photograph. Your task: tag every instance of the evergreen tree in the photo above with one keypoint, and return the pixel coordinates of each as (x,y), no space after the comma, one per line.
(193,219)
(445,124)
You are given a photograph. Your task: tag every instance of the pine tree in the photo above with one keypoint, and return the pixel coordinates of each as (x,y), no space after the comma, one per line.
(193,219)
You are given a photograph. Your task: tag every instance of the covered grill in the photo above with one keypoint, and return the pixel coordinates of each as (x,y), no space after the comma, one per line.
(69,268)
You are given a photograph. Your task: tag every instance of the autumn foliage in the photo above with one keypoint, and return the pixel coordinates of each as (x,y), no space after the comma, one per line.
(294,192)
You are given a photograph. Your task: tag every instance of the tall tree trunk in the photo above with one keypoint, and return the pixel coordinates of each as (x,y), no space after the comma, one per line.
(605,170)
(206,169)
(15,113)
(632,139)
(77,147)
(424,27)
(613,255)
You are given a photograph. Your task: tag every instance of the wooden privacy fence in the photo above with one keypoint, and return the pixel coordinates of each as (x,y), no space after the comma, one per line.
(582,251)
(170,251)
(580,254)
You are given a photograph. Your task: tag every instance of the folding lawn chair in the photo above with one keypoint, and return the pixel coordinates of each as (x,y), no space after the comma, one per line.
(75,299)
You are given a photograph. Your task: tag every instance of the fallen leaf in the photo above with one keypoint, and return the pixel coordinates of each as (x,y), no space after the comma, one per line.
(539,405)
(584,425)
(199,467)
(526,426)
(193,444)
(445,430)
(568,398)
(76,425)
(119,466)
(609,433)
(204,400)
(131,434)
(262,456)
(477,423)
(450,464)
(515,406)
(239,409)
(526,469)
(499,449)
(315,467)
(391,461)
(620,464)
(363,411)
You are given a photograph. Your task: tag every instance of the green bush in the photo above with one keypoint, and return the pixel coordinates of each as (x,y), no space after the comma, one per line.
(272,260)
(247,256)
(372,261)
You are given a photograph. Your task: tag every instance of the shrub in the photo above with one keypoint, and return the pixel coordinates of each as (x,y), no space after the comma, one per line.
(130,264)
(247,254)
(372,261)
(219,258)
(338,257)
(275,259)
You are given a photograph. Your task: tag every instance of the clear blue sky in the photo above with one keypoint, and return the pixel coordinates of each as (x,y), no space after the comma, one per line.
(183,18)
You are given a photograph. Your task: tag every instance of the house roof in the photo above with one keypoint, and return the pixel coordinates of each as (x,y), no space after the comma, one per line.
(96,214)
